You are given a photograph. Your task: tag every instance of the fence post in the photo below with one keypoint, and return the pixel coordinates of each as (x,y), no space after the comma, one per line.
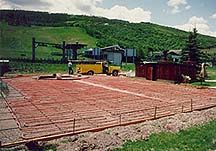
(74,125)
(191,105)
(1,87)
(155,112)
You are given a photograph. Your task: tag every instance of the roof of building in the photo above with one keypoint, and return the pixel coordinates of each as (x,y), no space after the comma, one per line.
(175,52)
(4,61)
(114,48)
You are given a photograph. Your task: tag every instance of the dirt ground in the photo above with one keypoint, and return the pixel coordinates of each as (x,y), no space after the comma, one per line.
(101,102)
(98,102)
(114,137)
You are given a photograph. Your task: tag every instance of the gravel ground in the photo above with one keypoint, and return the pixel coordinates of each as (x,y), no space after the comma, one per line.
(115,137)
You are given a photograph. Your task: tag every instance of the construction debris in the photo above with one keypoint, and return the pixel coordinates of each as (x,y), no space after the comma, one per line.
(59,76)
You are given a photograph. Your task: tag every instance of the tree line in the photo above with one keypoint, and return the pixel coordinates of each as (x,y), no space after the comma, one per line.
(28,18)
(144,37)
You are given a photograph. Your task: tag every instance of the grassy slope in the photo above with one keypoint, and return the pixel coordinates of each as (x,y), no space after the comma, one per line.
(16,40)
(210,51)
(201,138)
(140,36)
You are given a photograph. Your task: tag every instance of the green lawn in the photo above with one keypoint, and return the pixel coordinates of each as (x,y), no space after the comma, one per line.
(211,71)
(200,138)
(16,41)
(204,84)
(128,66)
(32,68)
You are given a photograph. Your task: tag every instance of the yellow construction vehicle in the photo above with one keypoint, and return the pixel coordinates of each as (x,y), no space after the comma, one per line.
(97,68)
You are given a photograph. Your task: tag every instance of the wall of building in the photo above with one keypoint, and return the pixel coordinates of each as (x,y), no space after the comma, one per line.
(130,52)
(165,71)
(114,57)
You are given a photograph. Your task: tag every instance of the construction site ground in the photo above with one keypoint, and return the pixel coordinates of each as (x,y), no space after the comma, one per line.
(44,108)
(112,138)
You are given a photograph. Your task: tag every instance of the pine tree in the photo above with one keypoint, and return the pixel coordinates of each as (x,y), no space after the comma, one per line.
(191,52)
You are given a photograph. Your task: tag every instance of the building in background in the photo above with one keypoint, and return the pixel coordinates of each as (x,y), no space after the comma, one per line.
(175,55)
(114,54)
(129,55)
(94,53)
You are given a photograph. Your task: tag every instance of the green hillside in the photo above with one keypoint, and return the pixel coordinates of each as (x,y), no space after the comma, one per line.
(142,36)
(15,39)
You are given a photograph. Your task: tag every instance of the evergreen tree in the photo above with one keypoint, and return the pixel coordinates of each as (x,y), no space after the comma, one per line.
(191,52)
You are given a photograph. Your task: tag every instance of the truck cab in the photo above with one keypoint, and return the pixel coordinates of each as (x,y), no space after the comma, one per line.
(97,68)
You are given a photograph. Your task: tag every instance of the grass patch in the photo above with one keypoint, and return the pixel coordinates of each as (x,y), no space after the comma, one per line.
(16,41)
(199,138)
(208,84)
(128,66)
(49,148)
(211,71)
(31,68)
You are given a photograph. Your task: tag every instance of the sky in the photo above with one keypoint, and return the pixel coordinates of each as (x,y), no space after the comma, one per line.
(180,14)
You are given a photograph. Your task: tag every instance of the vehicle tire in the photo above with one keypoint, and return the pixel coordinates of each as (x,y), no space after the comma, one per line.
(115,73)
(90,73)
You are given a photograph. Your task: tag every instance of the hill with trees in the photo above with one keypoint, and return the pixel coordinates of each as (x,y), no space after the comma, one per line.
(94,31)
